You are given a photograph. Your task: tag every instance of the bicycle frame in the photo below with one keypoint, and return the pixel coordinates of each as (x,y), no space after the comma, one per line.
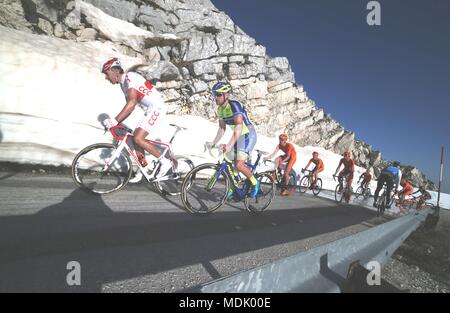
(225,168)
(123,144)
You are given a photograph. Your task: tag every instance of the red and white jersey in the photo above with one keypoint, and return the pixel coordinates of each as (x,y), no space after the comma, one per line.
(145,89)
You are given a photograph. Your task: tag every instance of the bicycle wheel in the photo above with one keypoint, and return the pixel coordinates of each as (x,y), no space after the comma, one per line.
(338,196)
(304,184)
(172,186)
(318,187)
(367,194)
(202,190)
(88,169)
(381,205)
(359,193)
(265,194)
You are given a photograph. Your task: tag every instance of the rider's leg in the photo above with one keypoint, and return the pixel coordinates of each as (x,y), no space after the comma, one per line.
(380,183)
(389,185)
(139,138)
(288,170)
(349,185)
(243,149)
(340,179)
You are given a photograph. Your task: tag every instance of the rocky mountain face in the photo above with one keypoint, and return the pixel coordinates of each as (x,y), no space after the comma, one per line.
(186,46)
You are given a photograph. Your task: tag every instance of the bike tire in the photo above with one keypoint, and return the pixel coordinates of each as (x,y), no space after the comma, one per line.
(338,196)
(265,195)
(304,184)
(381,205)
(194,188)
(87,168)
(318,188)
(172,187)
(367,194)
(359,193)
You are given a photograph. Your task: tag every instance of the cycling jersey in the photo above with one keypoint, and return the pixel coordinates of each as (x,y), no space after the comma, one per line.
(319,164)
(407,189)
(288,149)
(149,100)
(145,89)
(349,166)
(394,172)
(228,111)
(366,177)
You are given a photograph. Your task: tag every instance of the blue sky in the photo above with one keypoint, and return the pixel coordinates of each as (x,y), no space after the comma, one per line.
(390,84)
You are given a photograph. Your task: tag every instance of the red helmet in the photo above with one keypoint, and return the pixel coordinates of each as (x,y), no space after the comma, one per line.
(283,137)
(111,62)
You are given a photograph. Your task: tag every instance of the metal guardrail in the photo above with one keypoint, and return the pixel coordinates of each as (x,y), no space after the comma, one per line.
(324,268)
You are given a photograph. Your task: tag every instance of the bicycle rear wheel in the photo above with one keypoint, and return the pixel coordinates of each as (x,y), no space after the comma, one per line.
(304,184)
(338,196)
(203,190)
(172,186)
(381,205)
(318,187)
(265,194)
(88,169)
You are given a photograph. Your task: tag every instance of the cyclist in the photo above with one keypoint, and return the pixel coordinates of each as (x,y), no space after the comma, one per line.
(240,146)
(406,191)
(349,169)
(391,176)
(290,157)
(319,167)
(425,195)
(138,92)
(365,179)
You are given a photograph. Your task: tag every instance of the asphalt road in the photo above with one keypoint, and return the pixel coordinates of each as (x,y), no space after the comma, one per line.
(138,241)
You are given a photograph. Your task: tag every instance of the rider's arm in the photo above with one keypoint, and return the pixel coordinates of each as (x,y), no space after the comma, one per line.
(238,121)
(398,179)
(133,99)
(273,153)
(220,132)
(306,167)
(337,169)
(287,156)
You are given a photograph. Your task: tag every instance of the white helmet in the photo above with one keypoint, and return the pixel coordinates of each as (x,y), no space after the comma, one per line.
(111,62)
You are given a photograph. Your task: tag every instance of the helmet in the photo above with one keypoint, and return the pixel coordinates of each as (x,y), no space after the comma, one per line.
(109,63)
(347,153)
(283,137)
(315,153)
(396,164)
(220,88)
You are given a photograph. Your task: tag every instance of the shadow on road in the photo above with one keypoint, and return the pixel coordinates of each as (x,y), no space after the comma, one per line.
(114,246)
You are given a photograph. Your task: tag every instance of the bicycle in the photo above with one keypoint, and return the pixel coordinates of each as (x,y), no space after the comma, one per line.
(418,203)
(205,188)
(381,204)
(362,192)
(306,183)
(278,176)
(104,168)
(346,190)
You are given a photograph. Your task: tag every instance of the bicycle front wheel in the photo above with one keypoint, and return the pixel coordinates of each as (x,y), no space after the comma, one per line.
(93,169)
(172,186)
(359,193)
(304,184)
(338,195)
(204,190)
(318,187)
(265,194)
